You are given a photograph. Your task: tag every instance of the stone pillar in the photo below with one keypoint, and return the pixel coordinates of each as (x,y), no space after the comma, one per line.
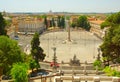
(57,79)
(54,60)
(76,79)
(61,80)
(115,79)
(84,70)
(96,79)
(97,70)
(50,80)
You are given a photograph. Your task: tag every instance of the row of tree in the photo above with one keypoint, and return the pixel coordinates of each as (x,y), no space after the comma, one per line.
(58,22)
(111,45)
(81,22)
(13,61)
(19,70)
(112,20)
(2,25)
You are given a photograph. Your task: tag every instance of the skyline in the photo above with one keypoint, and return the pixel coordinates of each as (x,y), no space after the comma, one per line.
(101,6)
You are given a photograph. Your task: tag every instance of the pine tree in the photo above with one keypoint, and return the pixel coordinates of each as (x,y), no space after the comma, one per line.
(46,22)
(53,22)
(2,25)
(58,21)
(37,51)
(63,22)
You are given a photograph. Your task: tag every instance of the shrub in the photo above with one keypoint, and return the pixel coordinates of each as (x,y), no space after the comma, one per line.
(97,63)
(111,72)
(19,72)
(108,70)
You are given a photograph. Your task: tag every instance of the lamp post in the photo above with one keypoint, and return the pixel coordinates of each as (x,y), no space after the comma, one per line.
(85,72)
(85,67)
(54,59)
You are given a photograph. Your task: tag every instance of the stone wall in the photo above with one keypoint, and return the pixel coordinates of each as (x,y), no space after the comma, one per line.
(66,67)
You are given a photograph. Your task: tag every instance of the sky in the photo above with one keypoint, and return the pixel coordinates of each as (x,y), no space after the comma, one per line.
(101,6)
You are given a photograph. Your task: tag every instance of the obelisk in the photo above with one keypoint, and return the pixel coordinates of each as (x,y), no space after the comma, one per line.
(69,39)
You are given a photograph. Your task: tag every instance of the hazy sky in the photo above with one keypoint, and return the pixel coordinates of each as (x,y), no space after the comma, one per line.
(60,5)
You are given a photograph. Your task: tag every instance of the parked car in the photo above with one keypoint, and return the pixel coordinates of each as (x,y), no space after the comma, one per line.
(6,77)
(16,37)
(42,73)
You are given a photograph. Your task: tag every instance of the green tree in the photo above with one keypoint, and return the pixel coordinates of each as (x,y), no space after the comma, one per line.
(53,22)
(105,24)
(111,72)
(50,23)
(9,53)
(2,25)
(98,63)
(45,21)
(62,22)
(36,50)
(58,21)
(32,64)
(73,25)
(67,17)
(112,20)
(8,23)
(19,72)
(111,45)
(83,23)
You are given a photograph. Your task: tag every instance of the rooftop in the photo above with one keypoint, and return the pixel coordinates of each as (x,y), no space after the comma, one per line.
(97,21)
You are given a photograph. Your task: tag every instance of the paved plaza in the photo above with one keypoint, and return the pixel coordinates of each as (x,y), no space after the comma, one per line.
(83,44)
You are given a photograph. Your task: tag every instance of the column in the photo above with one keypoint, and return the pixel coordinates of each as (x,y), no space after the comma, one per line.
(115,79)
(56,78)
(96,79)
(76,79)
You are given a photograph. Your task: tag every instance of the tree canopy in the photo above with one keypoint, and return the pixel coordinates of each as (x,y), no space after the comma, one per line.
(83,22)
(112,20)
(2,25)
(111,45)
(45,21)
(53,22)
(19,72)
(37,51)
(9,53)
(61,21)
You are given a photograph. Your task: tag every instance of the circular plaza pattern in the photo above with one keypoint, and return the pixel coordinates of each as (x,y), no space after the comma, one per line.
(84,45)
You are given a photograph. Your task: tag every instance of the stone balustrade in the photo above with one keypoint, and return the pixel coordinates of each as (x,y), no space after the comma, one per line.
(86,78)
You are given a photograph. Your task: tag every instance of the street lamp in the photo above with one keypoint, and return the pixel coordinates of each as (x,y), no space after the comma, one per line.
(85,68)
(54,59)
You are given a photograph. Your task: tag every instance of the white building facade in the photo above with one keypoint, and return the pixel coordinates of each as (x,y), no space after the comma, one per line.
(31,26)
